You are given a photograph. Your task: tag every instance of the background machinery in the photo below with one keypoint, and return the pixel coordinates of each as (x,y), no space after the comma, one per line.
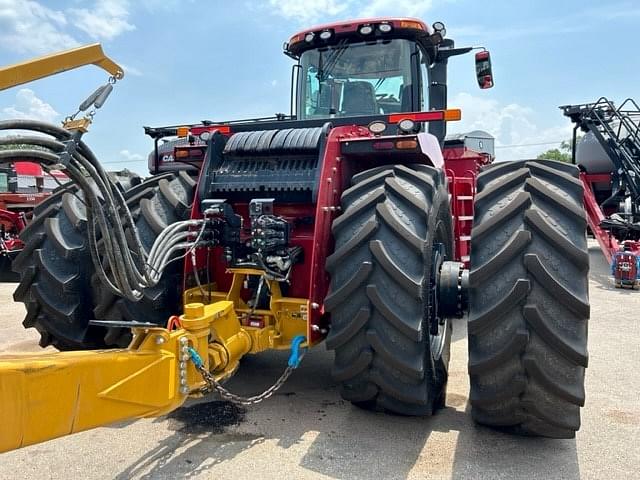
(352,221)
(608,156)
(24,184)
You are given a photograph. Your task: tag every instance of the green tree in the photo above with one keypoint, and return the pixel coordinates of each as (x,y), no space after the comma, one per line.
(562,154)
(555,154)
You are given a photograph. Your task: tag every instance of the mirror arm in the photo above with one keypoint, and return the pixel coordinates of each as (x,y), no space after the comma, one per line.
(452,52)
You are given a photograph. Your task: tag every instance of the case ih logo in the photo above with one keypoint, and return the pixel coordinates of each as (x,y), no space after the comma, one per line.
(167,158)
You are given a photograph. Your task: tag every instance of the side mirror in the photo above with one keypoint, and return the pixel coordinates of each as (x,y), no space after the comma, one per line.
(483,69)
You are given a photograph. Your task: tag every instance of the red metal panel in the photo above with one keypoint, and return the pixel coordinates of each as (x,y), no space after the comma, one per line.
(334,177)
(462,167)
(28,168)
(608,244)
(352,25)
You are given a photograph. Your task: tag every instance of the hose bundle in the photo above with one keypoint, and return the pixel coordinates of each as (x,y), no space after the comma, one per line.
(131,268)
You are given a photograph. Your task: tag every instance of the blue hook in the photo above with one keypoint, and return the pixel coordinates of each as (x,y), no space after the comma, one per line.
(195,357)
(296,351)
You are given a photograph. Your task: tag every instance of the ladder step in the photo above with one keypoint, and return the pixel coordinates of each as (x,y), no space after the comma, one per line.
(464,197)
(465,218)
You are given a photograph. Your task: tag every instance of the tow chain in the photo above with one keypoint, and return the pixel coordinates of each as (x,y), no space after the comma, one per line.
(213,385)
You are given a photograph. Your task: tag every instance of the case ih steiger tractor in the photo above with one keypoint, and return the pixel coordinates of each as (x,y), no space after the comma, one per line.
(352,221)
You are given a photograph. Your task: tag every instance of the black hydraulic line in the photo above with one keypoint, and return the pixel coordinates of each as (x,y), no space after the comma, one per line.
(108,216)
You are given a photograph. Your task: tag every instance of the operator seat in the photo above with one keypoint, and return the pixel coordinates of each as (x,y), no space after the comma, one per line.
(359,98)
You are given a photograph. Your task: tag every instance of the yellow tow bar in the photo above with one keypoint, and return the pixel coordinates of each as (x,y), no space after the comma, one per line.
(49,395)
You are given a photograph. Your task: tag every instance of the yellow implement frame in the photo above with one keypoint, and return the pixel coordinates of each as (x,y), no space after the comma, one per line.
(48,395)
(47,65)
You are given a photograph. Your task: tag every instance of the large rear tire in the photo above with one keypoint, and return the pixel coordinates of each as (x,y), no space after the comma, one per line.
(58,284)
(55,268)
(389,355)
(529,301)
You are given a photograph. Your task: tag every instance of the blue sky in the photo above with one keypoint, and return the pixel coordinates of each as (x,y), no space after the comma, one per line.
(193,60)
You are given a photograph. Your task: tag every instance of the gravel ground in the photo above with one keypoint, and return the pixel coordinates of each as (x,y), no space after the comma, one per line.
(306,431)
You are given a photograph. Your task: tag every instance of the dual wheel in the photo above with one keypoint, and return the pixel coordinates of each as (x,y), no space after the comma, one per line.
(528,295)
(58,284)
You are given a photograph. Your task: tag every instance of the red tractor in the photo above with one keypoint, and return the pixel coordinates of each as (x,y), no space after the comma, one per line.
(22,186)
(11,224)
(353,221)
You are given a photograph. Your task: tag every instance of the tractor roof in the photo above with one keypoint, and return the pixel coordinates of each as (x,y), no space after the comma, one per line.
(401,27)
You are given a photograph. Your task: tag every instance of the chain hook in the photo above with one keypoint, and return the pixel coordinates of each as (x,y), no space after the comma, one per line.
(212,384)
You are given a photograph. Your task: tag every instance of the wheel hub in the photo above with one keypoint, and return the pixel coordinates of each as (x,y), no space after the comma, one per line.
(453,288)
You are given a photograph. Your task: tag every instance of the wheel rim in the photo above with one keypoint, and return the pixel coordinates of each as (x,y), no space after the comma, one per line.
(437,339)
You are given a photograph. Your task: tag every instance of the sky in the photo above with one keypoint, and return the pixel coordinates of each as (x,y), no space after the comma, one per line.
(188,60)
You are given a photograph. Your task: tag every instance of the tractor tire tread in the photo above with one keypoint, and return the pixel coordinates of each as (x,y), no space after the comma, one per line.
(529,299)
(376,297)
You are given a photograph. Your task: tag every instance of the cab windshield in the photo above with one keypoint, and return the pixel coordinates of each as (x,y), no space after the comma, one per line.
(351,79)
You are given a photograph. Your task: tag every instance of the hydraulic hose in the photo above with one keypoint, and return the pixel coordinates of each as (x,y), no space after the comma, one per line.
(113,237)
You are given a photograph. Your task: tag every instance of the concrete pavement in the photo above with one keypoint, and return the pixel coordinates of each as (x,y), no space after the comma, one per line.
(307,431)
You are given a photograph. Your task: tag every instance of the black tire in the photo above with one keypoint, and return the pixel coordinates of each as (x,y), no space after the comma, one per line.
(154,204)
(58,284)
(529,302)
(379,292)
(54,268)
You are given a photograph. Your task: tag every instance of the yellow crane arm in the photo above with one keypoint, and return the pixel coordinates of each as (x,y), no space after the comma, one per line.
(47,65)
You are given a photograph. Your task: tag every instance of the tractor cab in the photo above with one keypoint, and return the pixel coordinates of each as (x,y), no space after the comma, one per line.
(361,78)
(374,67)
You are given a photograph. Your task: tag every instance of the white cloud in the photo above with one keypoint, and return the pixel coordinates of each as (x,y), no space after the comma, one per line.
(105,21)
(512,125)
(313,10)
(405,8)
(131,71)
(29,106)
(28,27)
(308,10)
(132,157)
